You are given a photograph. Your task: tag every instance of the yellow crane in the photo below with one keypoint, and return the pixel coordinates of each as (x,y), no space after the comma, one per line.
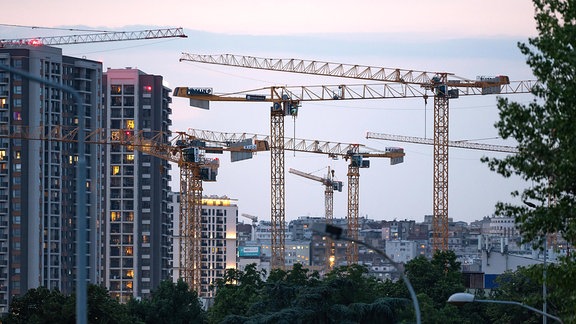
(396,83)
(187,151)
(330,185)
(356,154)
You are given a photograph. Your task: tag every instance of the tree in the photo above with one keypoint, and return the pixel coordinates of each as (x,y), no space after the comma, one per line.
(546,136)
(41,305)
(437,278)
(170,303)
(544,129)
(236,293)
(102,308)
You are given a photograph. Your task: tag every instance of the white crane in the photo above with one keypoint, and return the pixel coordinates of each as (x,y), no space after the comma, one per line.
(254,224)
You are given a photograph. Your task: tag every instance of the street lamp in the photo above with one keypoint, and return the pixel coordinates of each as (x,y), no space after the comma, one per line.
(544,290)
(335,233)
(460,299)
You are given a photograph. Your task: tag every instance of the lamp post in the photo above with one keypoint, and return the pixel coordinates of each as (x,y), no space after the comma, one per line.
(544,290)
(460,299)
(335,232)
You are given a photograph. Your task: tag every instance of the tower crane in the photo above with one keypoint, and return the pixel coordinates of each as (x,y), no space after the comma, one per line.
(95,37)
(406,84)
(356,154)
(254,224)
(330,184)
(187,151)
(457,144)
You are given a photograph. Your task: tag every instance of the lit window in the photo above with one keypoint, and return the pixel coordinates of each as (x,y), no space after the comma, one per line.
(130,157)
(130,273)
(128,251)
(115,135)
(2,154)
(116,89)
(115,169)
(2,102)
(114,216)
(17,115)
(130,124)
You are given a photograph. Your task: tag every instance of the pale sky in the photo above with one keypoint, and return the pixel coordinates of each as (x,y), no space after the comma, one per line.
(446,18)
(468,38)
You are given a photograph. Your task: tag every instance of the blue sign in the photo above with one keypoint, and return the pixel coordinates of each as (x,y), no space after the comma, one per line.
(248,251)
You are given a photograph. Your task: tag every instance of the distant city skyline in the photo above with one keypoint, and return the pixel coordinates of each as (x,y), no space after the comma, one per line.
(468,39)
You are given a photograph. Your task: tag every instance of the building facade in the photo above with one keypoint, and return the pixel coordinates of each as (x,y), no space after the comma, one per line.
(38,178)
(137,240)
(219,219)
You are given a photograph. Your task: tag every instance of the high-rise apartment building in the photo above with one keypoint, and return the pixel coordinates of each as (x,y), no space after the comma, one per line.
(38,178)
(137,241)
(219,241)
(219,219)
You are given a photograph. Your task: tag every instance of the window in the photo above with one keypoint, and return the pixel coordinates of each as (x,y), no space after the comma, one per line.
(115,169)
(115,216)
(17,115)
(128,89)
(129,273)
(116,89)
(130,123)
(129,216)
(128,101)
(116,101)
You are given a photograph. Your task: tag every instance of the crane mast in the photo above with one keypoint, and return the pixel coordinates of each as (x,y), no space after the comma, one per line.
(330,185)
(408,82)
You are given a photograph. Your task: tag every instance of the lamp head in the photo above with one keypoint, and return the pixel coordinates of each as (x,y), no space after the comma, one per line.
(460,299)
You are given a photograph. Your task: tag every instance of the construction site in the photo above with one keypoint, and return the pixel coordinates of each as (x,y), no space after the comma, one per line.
(145,158)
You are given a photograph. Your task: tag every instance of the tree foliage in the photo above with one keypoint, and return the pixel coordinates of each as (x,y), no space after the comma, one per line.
(544,128)
(169,303)
(345,295)
(546,136)
(40,305)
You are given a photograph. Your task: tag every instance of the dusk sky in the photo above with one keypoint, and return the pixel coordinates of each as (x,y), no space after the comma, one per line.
(467,38)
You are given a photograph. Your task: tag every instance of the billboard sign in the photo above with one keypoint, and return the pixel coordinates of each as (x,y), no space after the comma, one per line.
(248,251)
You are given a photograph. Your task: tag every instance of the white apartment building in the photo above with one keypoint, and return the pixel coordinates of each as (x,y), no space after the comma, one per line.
(402,251)
(503,227)
(219,219)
